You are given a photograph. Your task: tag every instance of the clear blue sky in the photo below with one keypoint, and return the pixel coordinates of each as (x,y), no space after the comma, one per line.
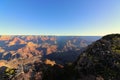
(59,17)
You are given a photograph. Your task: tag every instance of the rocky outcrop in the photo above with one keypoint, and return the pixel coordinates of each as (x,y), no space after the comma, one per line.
(49,62)
(102,58)
(16,41)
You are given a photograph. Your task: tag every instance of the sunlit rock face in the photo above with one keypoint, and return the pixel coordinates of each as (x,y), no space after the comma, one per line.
(31,57)
(4,37)
(16,41)
(28,46)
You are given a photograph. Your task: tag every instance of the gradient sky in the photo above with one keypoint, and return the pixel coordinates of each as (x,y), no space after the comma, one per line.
(59,17)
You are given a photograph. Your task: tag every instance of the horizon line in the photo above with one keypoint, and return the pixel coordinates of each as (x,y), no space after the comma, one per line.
(53,34)
(40,34)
